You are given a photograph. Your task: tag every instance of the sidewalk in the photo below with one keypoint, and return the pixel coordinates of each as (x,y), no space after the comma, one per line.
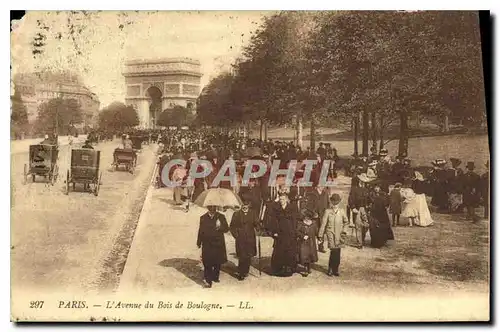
(19,146)
(164,255)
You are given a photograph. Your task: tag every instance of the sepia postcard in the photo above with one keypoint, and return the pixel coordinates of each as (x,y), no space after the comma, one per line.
(241,166)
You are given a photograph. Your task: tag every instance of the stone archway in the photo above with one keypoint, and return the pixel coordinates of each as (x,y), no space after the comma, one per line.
(155,104)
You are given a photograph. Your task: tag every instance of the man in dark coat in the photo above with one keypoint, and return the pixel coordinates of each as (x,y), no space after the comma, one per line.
(485,190)
(471,182)
(317,202)
(243,225)
(213,225)
(253,193)
(284,228)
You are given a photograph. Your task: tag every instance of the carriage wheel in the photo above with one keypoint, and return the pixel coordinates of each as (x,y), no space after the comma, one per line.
(66,191)
(25,174)
(97,185)
(55,173)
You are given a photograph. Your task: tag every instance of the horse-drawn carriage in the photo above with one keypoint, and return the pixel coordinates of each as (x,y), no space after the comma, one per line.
(137,142)
(42,162)
(85,170)
(125,157)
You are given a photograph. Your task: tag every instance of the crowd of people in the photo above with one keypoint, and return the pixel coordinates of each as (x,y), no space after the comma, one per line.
(303,221)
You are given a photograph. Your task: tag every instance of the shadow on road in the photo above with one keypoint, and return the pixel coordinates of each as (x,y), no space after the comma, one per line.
(189,267)
(264,265)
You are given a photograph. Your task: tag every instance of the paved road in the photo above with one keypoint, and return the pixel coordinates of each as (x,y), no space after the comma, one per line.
(67,242)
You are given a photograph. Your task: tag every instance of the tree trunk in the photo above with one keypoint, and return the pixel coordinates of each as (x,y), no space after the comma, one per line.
(417,120)
(446,123)
(381,136)
(355,121)
(261,128)
(265,130)
(299,130)
(366,131)
(313,135)
(374,130)
(404,133)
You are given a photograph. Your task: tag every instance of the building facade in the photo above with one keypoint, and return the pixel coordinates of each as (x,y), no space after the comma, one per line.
(154,85)
(37,88)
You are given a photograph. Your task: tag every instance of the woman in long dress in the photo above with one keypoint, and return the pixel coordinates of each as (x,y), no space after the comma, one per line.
(415,206)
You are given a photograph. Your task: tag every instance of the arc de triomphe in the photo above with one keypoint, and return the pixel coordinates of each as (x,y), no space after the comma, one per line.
(154,85)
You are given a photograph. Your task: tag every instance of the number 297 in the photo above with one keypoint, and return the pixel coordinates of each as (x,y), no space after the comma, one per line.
(36,304)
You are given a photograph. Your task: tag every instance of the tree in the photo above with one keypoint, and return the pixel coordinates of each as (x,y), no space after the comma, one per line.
(118,117)
(177,116)
(19,116)
(58,115)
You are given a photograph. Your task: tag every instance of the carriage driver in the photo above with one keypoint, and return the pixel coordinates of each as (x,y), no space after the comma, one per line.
(127,143)
(87,145)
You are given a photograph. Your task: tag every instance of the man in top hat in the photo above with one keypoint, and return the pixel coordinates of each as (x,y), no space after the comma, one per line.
(454,185)
(244,224)
(485,190)
(471,191)
(321,151)
(211,240)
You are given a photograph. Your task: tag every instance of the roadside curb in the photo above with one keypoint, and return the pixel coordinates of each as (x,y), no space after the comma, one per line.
(144,214)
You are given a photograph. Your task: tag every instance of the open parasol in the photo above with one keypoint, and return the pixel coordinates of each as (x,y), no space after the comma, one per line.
(218,197)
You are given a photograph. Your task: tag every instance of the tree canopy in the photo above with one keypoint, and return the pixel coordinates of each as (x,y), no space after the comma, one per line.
(385,65)
(118,117)
(176,116)
(58,114)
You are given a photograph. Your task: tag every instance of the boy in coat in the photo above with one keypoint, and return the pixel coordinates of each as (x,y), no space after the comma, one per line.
(211,240)
(334,226)
(395,201)
(243,225)
(306,237)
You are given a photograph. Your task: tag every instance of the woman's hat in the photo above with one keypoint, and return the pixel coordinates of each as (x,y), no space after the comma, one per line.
(364,178)
(419,176)
(373,163)
(398,185)
(335,199)
(438,162)
(383,152)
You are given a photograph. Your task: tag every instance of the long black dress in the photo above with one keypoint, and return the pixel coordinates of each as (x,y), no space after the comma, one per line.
(380,225)
(284,257)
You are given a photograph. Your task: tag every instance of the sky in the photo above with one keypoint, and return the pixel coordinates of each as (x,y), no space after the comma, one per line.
(104,40)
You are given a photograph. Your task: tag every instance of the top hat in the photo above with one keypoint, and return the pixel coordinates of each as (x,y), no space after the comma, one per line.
(455,161)
(335,199)
(470,165)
